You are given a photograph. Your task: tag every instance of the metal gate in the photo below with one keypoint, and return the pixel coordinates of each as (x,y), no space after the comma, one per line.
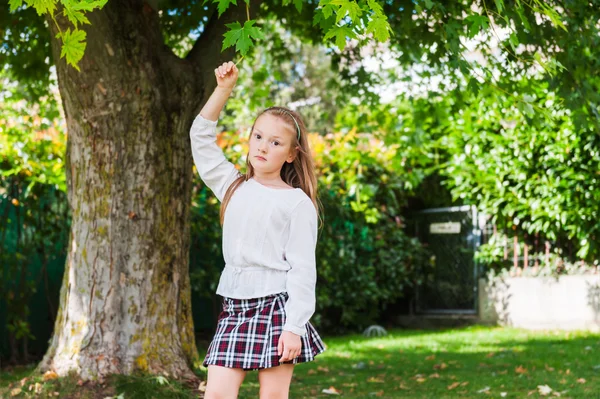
(452,236)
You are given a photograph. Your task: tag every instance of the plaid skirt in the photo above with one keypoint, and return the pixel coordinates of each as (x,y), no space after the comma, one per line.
(248,332)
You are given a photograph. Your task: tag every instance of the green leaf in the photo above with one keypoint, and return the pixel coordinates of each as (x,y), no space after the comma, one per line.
(223,5)
(297,4)
(340,33)
(328,9)
(241,37)
(473,86)
(73,13)
(514,41)
(476,22)
(14,4)
(375,6)
(499,5)
(73,46)
(347,7)
(379,27)
(88,5)
(42,6)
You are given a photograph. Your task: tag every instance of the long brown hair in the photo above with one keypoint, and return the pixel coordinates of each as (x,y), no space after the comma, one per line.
(298,174)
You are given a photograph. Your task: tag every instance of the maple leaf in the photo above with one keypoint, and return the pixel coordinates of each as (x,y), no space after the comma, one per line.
(340,33)
(240,36)
(14,4)
(73,46)
(379,27)
(43,6)
(348,7)
(222,5)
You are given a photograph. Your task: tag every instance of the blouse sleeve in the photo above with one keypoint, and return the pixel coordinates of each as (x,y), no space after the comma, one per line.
(214,169)
(302,277)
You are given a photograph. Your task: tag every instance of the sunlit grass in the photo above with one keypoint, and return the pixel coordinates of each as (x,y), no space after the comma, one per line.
(469,363)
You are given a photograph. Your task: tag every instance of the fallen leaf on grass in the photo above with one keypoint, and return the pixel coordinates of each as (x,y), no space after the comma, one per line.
(378,393)
(491,354)
(434,375)
(15,392)
(323,369)
(311,372)
(430,357)
(503,394)
(49,375)
(521,370)
(421,380)
(202,386)
(544,390)
(453,385)
(548,368)
(331,391)
(402,386)
(581,380)
(464,384)
(484,390)
(374,379)
(441,366)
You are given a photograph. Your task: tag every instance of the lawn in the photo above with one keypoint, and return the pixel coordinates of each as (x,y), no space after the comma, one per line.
(471,363)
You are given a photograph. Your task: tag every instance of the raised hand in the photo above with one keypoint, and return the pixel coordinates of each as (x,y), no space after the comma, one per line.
(226,75)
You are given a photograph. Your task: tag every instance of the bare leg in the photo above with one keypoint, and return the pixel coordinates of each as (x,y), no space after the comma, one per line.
(223,382)
(275,381)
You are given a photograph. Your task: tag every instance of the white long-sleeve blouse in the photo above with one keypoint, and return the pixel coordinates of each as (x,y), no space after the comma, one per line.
(269,235)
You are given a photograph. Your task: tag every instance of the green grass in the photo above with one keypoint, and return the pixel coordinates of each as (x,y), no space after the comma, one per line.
(463,363)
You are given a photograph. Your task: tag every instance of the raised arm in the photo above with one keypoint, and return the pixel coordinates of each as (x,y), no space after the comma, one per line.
(214,169)
(226,75)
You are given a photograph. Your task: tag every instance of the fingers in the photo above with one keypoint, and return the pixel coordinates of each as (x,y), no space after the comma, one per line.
(280,347)
(287,354)
(225,69)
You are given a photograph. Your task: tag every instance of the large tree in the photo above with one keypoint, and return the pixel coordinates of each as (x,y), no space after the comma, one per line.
(130,97)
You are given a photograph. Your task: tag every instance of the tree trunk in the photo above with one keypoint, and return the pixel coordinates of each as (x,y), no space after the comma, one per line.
(125,301)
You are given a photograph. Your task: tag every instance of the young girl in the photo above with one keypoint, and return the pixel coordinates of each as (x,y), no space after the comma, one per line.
(269,218)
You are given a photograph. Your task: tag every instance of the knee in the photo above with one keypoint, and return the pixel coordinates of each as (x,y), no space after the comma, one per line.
(273,393)
(220,394)
(221,391)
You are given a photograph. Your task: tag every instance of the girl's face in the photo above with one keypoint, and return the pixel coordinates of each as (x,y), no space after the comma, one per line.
(271,144)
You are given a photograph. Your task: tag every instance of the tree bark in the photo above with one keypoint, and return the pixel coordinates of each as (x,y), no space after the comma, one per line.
(125,301)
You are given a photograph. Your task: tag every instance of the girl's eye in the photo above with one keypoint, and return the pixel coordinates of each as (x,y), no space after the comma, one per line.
(276,142)
(257,136)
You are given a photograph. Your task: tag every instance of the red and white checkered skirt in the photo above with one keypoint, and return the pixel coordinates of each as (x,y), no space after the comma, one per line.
(248,332)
